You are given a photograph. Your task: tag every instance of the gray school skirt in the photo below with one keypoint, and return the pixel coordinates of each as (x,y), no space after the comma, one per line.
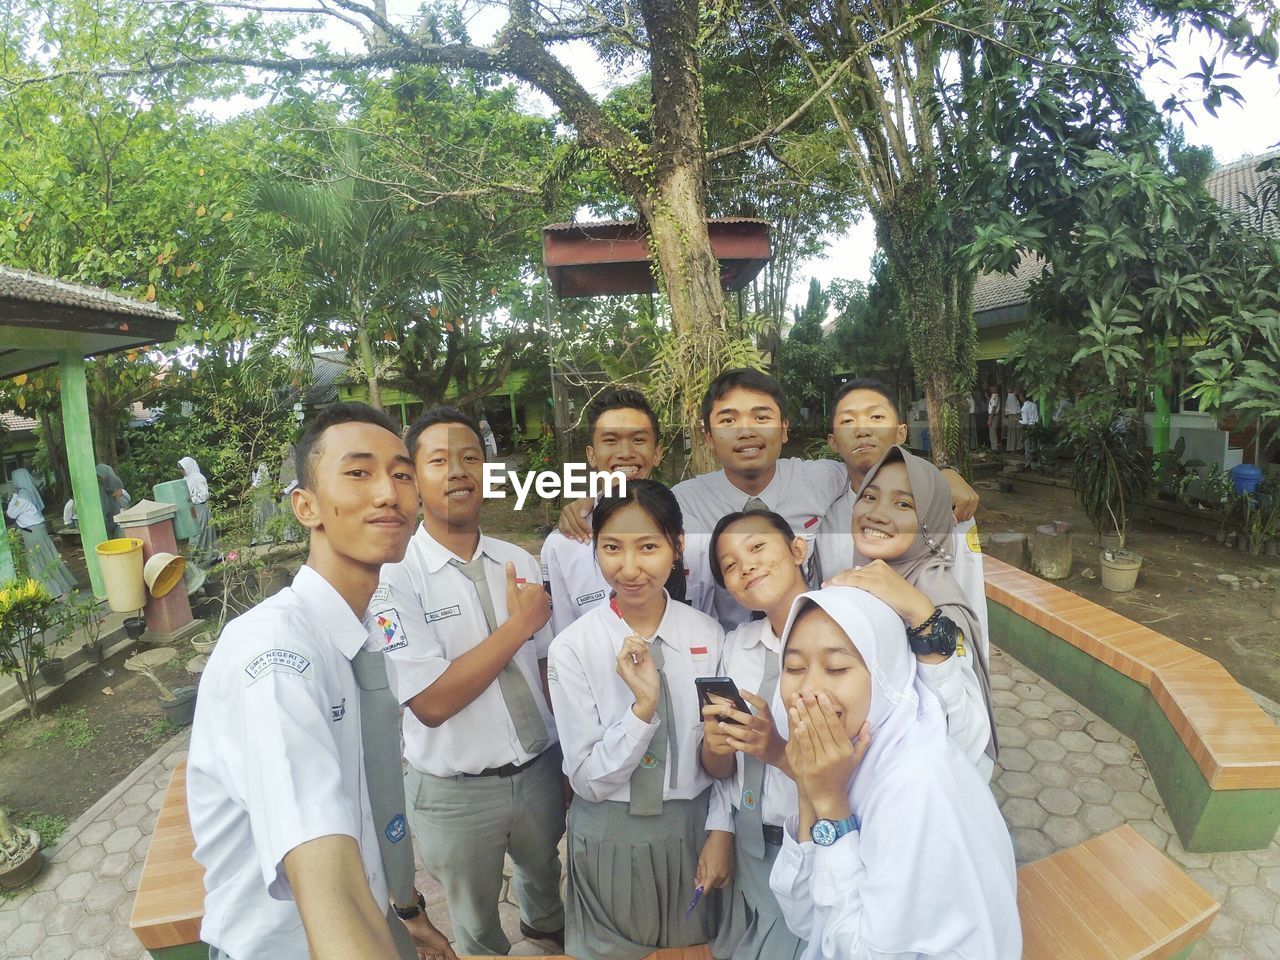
(44,563)
(753,928)
(631,880)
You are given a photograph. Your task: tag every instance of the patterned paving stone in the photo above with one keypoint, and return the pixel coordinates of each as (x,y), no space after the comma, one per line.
(1039,727)
(1236,871)
(1064,832)
(115,865)
(1250,905)
(1049,750)
(54,948)
(64,917)
(122,839)
(37,905)
(1015,758)
(1132,805)
(1102,731)
(93,931)
(1012,737)
(1123,777)
(1059,801)
(75,886)
(1024,813)
(1016,783)
(1076,741)
(1111,753)
(1053,774)
(1083,764)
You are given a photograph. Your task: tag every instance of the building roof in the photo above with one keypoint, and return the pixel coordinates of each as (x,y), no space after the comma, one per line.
(1229,184)
(328,369)
(16,422)
(41,318)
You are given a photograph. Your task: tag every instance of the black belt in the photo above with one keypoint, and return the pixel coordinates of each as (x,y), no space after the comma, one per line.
(772,834)
(508,769)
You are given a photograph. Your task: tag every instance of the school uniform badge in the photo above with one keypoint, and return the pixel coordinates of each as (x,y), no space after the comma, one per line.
(393,637)
(277,660)
(396,829)
(974,541)
(648,761)
(749,798)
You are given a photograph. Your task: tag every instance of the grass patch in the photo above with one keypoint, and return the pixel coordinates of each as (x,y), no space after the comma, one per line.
(72,727)
(49,827)
(160,729)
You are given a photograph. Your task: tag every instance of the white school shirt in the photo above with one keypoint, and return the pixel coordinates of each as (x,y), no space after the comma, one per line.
(801,491)
(426,614)
(743,659)
(572,572)
(1030,414)
(276,760)
(24,513)
(1011,405)
(955,680)
(602,739)
(993,404)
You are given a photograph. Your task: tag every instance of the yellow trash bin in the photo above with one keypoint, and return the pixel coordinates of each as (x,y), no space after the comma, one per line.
(121,564)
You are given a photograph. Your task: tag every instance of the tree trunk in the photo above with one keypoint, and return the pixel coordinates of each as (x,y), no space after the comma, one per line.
(368,365)
(690,275)
(53,441)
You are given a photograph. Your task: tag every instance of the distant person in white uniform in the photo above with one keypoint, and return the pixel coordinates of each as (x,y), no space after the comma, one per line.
(624,438)
(463,620)
(490,441)
(276,788)
(1012,414)
(1029,417)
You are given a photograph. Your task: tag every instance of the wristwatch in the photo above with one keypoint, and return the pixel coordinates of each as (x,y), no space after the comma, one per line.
(826,832)
(410,913)
(935,635)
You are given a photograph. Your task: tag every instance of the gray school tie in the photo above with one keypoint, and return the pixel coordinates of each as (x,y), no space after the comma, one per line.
(384,776)
(663,753)
(511,682)
(755,505)
(750,823)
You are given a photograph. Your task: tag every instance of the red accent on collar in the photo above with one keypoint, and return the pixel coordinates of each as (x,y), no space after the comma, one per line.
(698,651)
(810,522)
(613,605)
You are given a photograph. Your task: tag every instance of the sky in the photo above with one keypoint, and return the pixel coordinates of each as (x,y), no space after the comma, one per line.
(1237,131)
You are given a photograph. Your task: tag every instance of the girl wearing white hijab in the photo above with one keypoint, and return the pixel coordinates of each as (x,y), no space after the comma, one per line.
(264,503)
(897,850)
(25,509)
(201,543)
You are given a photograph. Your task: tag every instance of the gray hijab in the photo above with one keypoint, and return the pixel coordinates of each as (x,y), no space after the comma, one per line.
(927,563)
(23,481)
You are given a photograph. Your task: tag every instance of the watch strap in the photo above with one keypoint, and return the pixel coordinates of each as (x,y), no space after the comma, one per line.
(410,913)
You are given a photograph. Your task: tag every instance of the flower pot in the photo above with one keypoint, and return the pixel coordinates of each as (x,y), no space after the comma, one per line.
(93,652)
(1109,541)
(54,671)
(134,627)
(1220,536)
(1120,570)
(1273,548)
(203,641)
(182,708)
(13,876)
(271,580)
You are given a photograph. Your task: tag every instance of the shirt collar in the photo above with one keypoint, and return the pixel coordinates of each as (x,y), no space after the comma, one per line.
(325,607)
(768,496)
(435,554)
(761,633)
(666,626)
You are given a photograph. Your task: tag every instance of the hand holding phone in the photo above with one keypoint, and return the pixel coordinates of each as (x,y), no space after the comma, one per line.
(723,688)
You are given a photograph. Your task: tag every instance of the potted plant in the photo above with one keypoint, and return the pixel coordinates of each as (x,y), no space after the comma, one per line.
(26,611)
(1111,475)
(179,704)
(19,854)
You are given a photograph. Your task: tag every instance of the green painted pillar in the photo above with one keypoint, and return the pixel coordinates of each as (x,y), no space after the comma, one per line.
(81,462)
(1162,413)
(516,434)
(6,559)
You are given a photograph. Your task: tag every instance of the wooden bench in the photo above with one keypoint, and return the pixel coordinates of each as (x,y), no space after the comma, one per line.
(1213,753)
(1114,897)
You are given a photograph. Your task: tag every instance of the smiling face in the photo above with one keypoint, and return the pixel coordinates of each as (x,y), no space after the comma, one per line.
(623,440)
(864,425)
(635,556)
(747,432)
(450,463)
(760,568)
(885,522)
(362,496)
(820,658)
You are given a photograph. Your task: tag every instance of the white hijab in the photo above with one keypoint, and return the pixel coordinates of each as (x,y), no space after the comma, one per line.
(940,878)
(197,485)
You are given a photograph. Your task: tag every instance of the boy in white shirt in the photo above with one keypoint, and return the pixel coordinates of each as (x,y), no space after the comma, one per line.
(463,623)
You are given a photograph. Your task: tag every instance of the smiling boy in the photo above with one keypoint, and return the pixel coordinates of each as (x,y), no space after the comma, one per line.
(463,620)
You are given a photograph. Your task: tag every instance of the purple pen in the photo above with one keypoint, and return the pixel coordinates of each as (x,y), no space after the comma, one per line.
(697,895)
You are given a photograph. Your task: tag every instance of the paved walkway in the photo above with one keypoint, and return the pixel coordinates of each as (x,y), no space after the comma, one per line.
(1064,775)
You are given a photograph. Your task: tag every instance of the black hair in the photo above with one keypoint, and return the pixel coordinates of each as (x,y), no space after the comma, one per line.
(747,379)
(308,450)
(776,520)
(619,398)
(663,509)
(865,383)
(439,414)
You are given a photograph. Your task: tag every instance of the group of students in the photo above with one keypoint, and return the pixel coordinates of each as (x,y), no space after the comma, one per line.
(1018,413)
(844,813)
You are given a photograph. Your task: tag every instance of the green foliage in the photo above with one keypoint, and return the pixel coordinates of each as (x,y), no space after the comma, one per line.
(26,612)
(161,729)
(72,727)
(51,827)
(1110,472)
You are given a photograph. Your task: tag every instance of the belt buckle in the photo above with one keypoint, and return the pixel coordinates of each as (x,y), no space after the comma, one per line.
(772,834)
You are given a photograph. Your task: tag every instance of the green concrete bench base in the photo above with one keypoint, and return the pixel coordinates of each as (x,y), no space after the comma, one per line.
(1207,820)
(188,951)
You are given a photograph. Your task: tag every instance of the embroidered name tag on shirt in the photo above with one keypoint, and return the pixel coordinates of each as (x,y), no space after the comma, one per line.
(382,593)
(698,653)
(338,712)
(444,613)
(393,637)
(276,660)
(590,598)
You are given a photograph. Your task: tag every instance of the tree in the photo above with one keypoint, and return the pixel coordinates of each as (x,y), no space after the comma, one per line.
(806,361)
(949,112)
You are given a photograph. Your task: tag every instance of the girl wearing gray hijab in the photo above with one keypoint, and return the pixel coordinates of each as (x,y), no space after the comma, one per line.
(113,497)
(201,542)
(26,510)
(901,554)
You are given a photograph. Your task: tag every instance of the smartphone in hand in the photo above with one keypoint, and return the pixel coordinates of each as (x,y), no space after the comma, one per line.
(721,687)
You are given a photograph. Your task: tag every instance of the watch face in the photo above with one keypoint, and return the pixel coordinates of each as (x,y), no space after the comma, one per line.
(824,833)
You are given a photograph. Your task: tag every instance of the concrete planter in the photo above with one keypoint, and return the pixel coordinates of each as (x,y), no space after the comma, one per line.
(1120,570)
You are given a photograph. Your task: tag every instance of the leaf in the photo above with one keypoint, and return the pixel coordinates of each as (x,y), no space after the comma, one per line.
(200,210)
(227,216)
(151,293)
